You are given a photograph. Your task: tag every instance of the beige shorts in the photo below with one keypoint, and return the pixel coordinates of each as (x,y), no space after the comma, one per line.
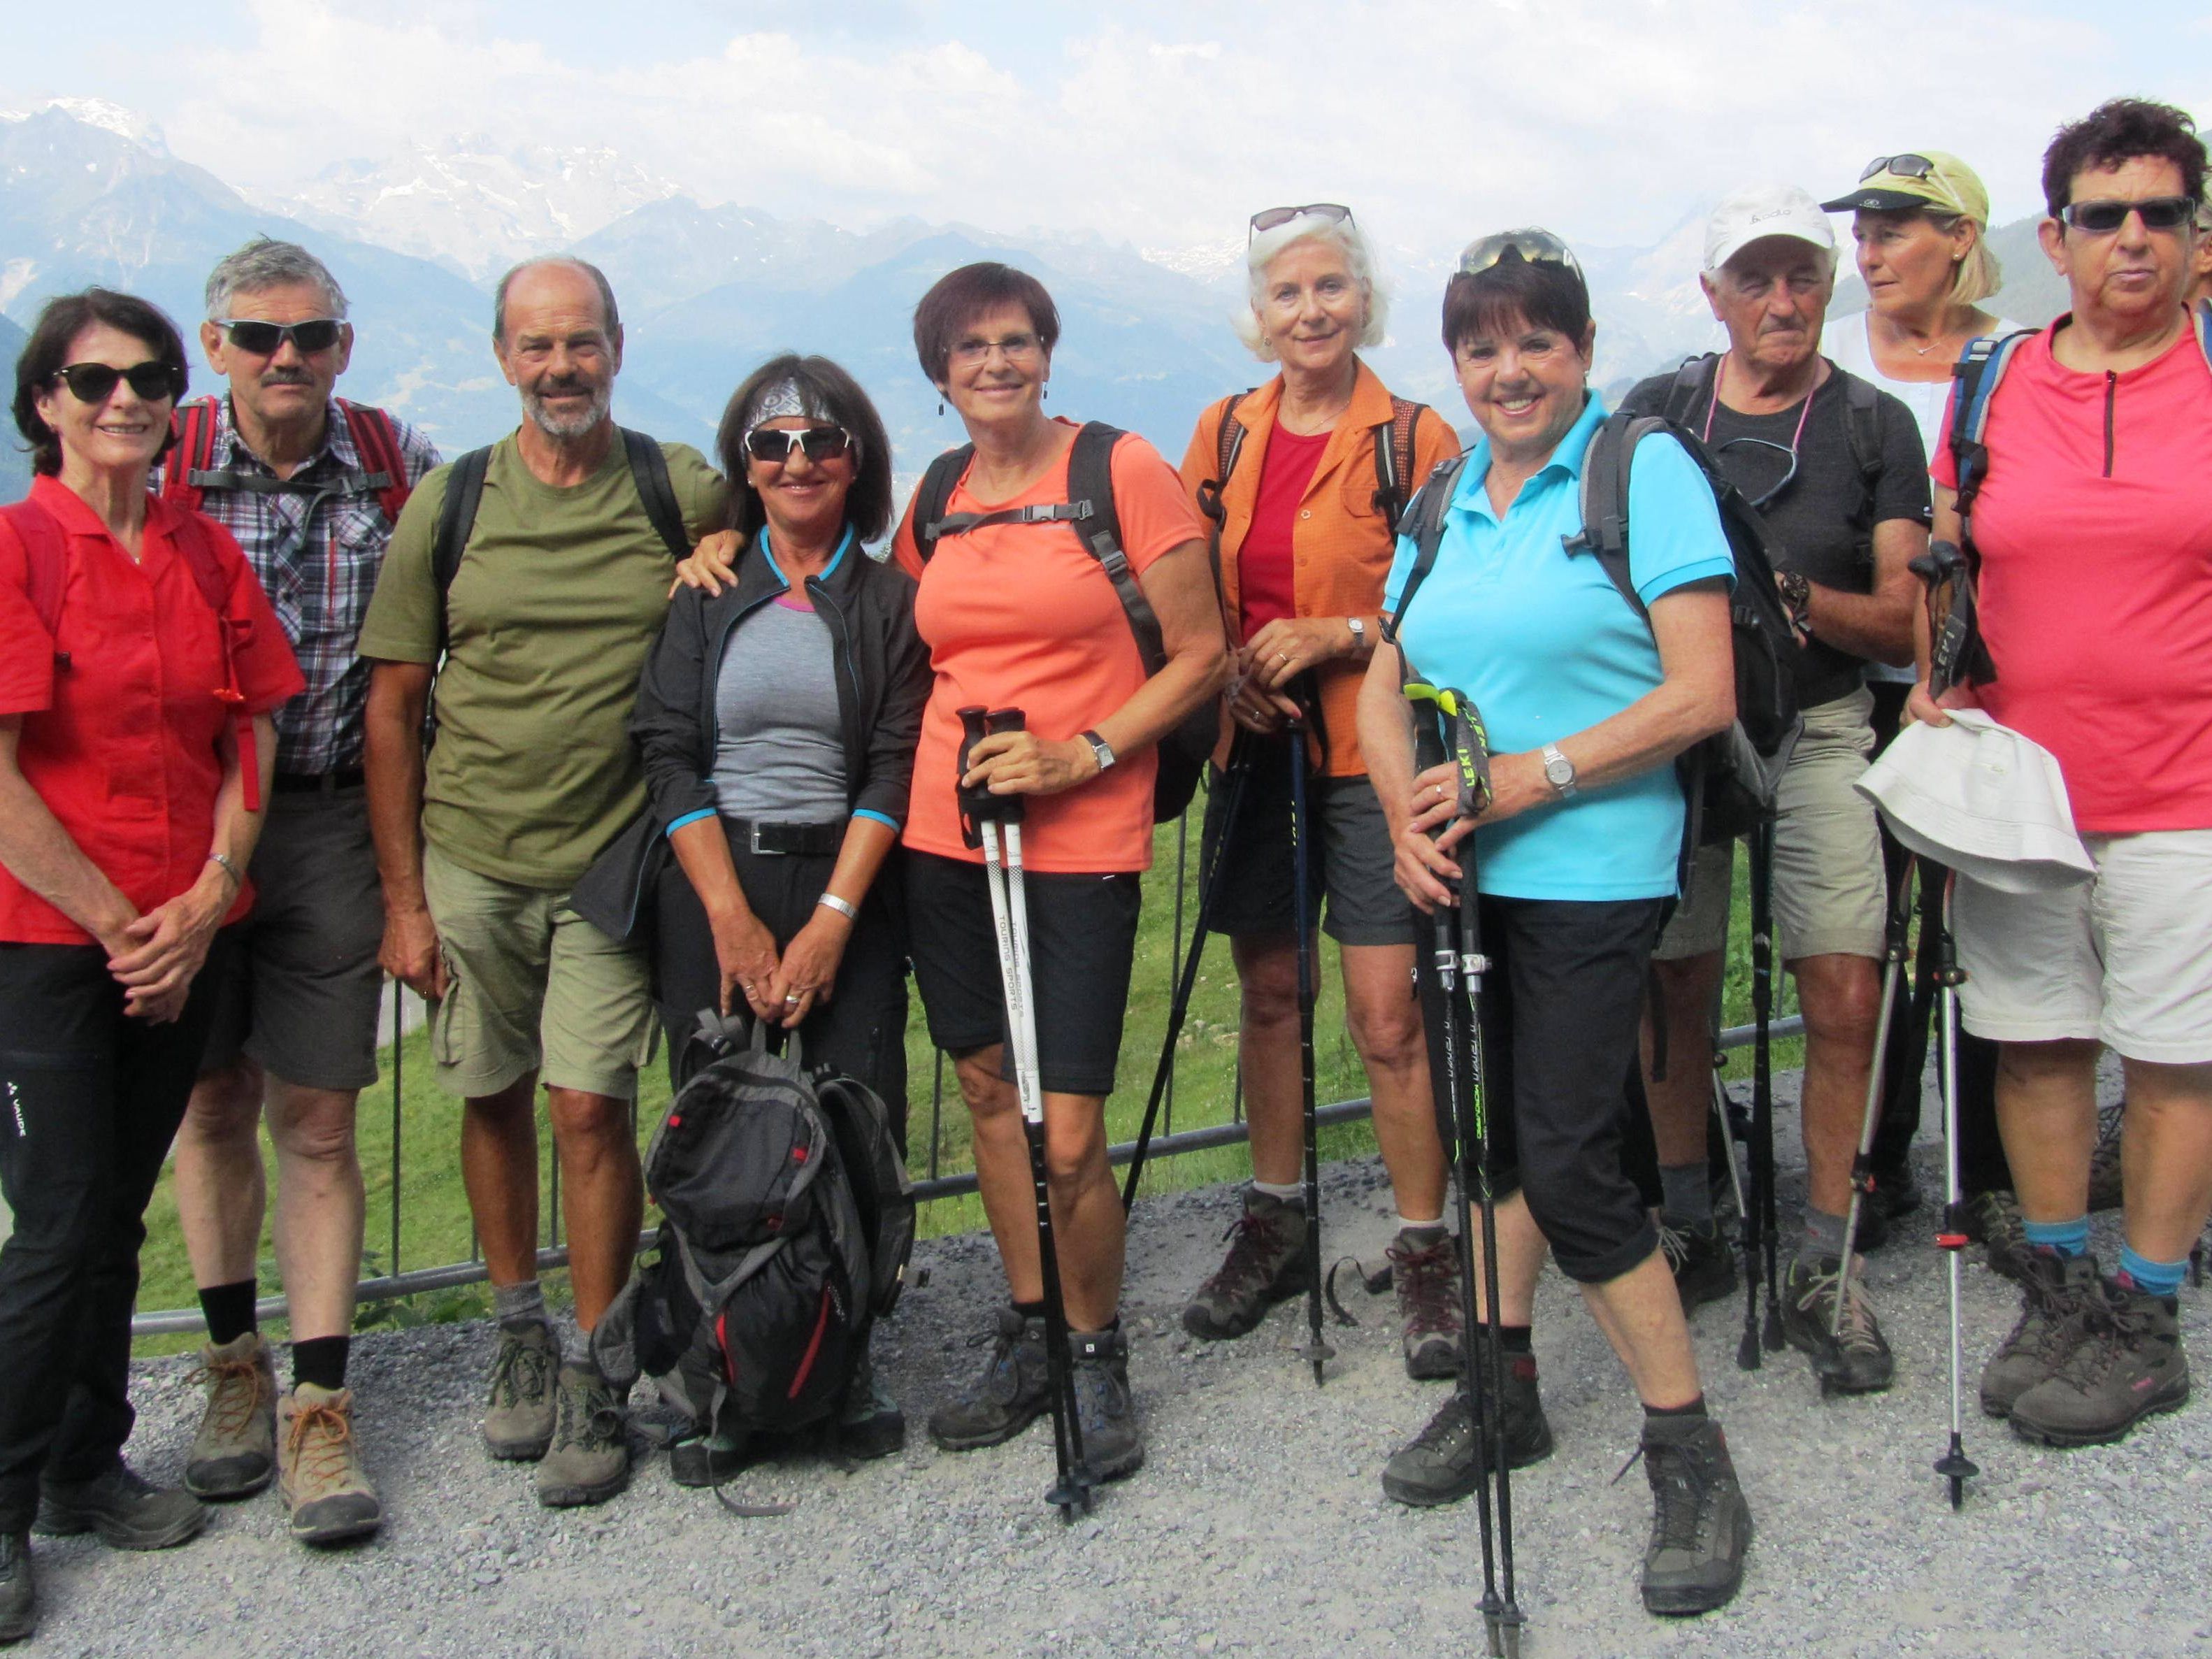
(531,985)
(1830,893)
(2122,959)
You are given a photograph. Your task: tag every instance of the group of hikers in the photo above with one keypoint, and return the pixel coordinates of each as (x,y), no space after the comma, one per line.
(287,707)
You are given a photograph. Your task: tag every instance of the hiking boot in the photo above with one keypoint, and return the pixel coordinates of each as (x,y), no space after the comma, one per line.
(2056,1292)
(1703,1262)
(588,1460)
(871,1424)
(1265,1264)
(2128,1363)
(1854,1360)
(1992,1220)
(1444,1463)
(1896,1191)
(1007,1397)
(1700,1525)
(1426,1278)
(708,1460)
(233,1454)
(127,1510)
(1112,1447)
(2104,1160)
(19,1590)
(1873,1224)
(319,1476)
(518,1421)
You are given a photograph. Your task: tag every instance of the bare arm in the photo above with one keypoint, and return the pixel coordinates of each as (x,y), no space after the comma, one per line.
(40,854)
(1877,624)
(398,696)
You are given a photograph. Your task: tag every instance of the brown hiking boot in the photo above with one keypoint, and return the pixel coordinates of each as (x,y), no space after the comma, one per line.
(1992,1220)
(320,1475)
(233,1454)
(588,1460)
(1265,1264)
(518,1420)
(1426,1279)
(2128,1363)
(2055,1294)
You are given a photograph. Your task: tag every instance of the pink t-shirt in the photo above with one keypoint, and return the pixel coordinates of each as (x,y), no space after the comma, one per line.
(2094,528)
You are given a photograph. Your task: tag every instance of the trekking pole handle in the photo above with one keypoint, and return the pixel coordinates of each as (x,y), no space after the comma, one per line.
(978,805)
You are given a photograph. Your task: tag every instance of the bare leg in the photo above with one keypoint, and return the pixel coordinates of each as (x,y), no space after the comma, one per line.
(1521,1254)
(1841,996)
(2047,1114)
(604,1191)
(319,1205)
(499,1168)
(222,1191)
(1385,1020)
(2165,1157)
(1681,1101)
(1642,1316)
(1268,1054)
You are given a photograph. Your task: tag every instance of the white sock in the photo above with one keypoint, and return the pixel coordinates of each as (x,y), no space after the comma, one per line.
(1407,1224)
(1291,1192)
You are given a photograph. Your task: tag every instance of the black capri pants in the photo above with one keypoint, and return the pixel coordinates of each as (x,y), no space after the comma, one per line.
(1561,1006)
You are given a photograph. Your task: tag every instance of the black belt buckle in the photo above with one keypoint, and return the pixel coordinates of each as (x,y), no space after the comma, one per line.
(773,840)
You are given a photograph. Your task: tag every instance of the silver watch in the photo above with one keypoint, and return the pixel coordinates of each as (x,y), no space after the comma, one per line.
(1358,627)
(1560,770)
(1101,748)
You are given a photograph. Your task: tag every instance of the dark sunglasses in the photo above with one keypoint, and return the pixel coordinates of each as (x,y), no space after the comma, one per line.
(1267,219)
(263,339)
(2101,218)
(1537,247)
(1907,166)
(95,383)
(821,443)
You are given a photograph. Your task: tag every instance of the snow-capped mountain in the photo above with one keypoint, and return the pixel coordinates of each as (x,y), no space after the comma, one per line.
(107,116)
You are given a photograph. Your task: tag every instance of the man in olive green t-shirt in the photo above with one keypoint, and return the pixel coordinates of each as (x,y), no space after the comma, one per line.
(560,590)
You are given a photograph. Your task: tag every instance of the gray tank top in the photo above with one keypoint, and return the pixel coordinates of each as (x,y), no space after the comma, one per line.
(779,753)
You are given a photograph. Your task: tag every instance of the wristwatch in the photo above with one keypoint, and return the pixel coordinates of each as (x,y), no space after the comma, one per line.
(1101,748)
(1560,770)
(1798,593)
(1358,627)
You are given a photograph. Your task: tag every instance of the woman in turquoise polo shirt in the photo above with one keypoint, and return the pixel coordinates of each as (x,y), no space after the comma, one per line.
(1587,702)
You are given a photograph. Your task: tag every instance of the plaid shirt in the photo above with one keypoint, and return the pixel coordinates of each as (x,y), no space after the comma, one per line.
(317,547)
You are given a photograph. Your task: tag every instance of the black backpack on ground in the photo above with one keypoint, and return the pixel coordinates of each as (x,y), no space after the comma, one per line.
(787,1219)
(1184,751)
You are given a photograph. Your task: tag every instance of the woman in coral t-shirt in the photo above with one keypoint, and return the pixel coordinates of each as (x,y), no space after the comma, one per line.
(1021,615)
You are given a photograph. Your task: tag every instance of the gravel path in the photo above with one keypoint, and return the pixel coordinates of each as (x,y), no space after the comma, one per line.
(1257,1526)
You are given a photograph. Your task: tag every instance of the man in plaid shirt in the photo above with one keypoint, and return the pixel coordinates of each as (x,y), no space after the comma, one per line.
(310,486)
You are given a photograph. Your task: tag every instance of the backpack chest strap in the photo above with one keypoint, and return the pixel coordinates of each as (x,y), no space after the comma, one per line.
(959,523)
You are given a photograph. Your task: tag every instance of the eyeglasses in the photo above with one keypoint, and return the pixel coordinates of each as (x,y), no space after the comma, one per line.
(2103,217)
(777,445)
(1537,247)
(263,339)
(1015,348)
(95,383)
(1267,219)
(1907,166)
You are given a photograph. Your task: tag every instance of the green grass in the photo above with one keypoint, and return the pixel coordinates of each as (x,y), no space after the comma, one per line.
(433,1210)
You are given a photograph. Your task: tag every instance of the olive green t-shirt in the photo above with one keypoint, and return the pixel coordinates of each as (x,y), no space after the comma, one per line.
(557,599)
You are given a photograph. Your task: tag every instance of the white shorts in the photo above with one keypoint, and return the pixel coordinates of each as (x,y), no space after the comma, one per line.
(2124,959)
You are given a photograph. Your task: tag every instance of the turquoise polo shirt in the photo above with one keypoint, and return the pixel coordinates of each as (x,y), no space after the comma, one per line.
(1544,643)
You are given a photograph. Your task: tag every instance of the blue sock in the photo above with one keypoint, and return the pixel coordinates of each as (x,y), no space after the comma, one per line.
(2067,1239)
(2153,1278)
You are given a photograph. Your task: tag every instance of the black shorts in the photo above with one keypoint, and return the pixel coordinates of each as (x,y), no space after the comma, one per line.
(1083,937)
(1350,862)
(1561,1006)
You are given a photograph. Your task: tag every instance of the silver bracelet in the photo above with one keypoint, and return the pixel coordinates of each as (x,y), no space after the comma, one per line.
(229,869)
(840,905)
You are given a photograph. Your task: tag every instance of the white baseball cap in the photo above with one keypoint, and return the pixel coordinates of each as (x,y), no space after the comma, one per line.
(1758,211)
(1982,799)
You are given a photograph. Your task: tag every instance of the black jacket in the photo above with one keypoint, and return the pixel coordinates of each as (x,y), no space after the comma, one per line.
(883,681)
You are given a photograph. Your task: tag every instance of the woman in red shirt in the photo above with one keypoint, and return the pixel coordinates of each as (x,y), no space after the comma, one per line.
(132,706)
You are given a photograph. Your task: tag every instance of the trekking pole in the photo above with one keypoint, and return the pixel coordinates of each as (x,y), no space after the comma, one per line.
(1317,1348)
(989,815)
(1240,769)
(1954,1466)
(1762,1230)
(1728,1137)
(1893,958)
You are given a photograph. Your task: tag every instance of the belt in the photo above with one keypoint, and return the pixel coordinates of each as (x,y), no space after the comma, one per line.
(780,840)
(319,783)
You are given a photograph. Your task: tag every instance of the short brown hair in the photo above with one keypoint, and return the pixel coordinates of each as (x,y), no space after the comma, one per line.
(46,353)
(1539,292)
(868,502)
(959,297)
(2119,132)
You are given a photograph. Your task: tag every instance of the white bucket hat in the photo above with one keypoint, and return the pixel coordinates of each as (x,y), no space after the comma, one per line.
(1982,799)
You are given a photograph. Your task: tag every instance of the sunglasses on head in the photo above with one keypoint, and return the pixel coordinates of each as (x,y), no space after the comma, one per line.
(2101,218)
(263,339)
(1269,218)
(95,383)
(1907,166)
(1537,247)
(821,443)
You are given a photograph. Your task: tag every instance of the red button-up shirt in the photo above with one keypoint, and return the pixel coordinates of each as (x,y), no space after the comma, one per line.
(122,744)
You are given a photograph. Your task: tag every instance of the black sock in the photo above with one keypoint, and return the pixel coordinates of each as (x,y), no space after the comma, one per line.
(1695,1408)
(321,1360)
(1030,1309)
(1516,1339)
(229,1311)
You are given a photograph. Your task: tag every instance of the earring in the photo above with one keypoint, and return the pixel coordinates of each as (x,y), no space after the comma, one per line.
(1044,391)
(940,408)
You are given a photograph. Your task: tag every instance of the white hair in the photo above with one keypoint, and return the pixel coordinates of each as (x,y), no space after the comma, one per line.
(1341,233)
(263,263)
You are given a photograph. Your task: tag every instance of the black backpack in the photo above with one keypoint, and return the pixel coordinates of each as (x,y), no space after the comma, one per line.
(1184,751)
(787,1219)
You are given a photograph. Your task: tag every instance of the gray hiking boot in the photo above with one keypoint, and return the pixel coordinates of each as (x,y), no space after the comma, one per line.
(325,1491)
(19,1589)
(1007,1397)
(2056,1294)
(588,1460)
(2128,1364)
(518,1421)
(127,1511)
(234,1453)
(1426,1276)
(2105,1159)
(871,1423)
(1992,1220)
(1112,1446)
(1702,1260)
(1854,1359)
(1700,1525)
(1265,1264)
(1444,1463)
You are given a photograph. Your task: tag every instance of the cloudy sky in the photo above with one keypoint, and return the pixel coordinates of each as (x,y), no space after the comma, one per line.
(1164,121)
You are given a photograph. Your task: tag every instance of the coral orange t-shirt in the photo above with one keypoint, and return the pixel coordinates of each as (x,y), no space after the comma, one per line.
(1021,617)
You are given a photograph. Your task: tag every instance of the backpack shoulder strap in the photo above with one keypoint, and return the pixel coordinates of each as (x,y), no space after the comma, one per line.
(1393,459)
(2201,318)
(197,546)
(1693,388)
(648,470)
(376,440)
(1863,422)
(45,558)
(1980,370)
(1605,466)
(1423,521)
(184,480)
(456,518)
(935,494)
(1228,444)
(1090,493)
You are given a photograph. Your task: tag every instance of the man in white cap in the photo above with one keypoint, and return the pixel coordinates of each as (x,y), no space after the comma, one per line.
(1837,469)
